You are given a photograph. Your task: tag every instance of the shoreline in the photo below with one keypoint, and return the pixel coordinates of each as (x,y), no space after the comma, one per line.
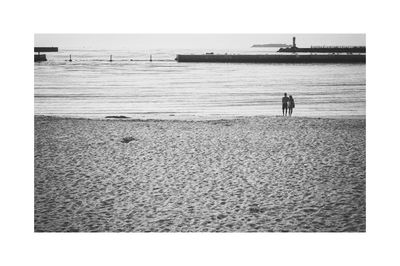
(200,119)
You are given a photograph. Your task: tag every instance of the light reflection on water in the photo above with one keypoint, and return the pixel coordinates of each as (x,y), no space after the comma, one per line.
(91,86)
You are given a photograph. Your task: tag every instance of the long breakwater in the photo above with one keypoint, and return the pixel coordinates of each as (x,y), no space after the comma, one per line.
(272,58)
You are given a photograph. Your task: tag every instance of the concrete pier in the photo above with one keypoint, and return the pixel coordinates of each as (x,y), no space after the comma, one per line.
(272,58)
(45,49)
(325,49)
(42,57)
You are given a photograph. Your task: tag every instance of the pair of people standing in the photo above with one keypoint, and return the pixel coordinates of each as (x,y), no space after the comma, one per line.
(287,103)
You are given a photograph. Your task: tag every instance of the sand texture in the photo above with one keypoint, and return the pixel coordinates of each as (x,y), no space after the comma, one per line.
(260,174)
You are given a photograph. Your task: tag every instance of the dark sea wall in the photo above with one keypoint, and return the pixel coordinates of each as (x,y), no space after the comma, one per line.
(40,57)
(45,49)
(309,58)
(344,49)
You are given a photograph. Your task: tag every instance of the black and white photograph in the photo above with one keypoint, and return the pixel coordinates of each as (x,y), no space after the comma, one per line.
(209,132)
(200,132)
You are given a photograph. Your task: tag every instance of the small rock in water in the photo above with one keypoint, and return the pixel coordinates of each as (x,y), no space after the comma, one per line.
(127,139)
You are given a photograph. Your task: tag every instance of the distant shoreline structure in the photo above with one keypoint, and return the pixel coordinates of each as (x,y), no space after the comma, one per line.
(315,54)
(271,45)
(323,49)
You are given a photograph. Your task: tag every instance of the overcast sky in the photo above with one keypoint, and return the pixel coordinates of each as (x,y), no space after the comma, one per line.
(189,41)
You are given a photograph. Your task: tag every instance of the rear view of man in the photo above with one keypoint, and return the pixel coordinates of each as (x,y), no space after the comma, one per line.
(285,101)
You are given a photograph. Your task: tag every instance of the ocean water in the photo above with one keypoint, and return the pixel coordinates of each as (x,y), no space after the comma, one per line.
(91,86)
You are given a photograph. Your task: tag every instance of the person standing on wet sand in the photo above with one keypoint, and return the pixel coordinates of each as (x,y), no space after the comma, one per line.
(291,105)
(285,101)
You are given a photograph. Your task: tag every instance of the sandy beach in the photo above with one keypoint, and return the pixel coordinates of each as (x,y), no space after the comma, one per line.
(258,174)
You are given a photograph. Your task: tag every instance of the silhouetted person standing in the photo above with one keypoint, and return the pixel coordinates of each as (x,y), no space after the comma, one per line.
(291,105)
(285,101)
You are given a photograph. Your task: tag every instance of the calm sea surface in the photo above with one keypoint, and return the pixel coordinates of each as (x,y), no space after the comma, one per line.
(131,85)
